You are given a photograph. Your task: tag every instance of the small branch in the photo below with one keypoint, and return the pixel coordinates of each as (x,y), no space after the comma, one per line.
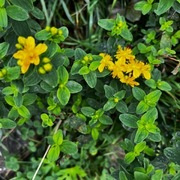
(45,154)
(8,133)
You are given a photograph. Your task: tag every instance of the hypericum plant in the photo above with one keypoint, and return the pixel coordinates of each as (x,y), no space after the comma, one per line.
(90,114)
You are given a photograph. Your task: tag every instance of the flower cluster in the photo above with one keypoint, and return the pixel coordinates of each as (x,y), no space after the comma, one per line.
(55,34)
(28,52)
(45,66)
(125,67)
(118,27)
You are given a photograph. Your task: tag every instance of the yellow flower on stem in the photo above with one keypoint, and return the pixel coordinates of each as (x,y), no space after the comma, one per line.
(124,54)
(105,62)
(29,53)
(129,80)
(146,71)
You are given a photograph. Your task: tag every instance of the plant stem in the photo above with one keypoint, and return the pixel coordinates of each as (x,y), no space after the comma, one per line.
(40,164)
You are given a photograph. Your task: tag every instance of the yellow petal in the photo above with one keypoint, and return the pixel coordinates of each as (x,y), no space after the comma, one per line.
(36,61)
(40,48)
(21,40)
(101,67)
(30,43)
(19,54)
(25,66)
(147,75)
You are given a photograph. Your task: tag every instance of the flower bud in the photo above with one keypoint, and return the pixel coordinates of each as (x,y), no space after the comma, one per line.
(41,70)
(46,60)
(47,67)
(54,30)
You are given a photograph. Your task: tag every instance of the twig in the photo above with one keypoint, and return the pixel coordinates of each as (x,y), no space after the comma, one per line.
(37,170)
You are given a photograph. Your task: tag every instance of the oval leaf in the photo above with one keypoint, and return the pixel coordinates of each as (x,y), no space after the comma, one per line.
(6,123)
(17,13)
(68,147)
(63,95)
(53,153)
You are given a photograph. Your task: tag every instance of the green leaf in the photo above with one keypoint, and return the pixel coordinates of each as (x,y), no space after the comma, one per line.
(63,95)
(151,83)
(164,86)
(173,154)
(45,86)
(129,157)
(142,107)
(50,78)
(91,79)
(143,48)
(79,53)
(17,13)
(69,147)
(126,34)
(157,175)
(6,123)
(94,65)
(53,153)
(139,5)
(88,111)
(46,120)
(109,91)
(150,116)
(110,104)
(3,47)
(120,94)
(84,70)
(24,112)
(121,106)
(25,4)
(18,100)
(58,137)
(73,86)
(155,137)
(138,93)
(95,133)
(8,90)
(31,79)
(152,98)
(139,147)
(63,75)
(106,24)
(77,65)
(141,134)
(9,100)
(3,17)
(140,176)
(106,120)
(52,47)
(21,28)
(146,8)
(164,6)
(122,175)
(2,2)
(13,73)
(43,35)
(129,120)
(65,33)
(37,13)
(12,164)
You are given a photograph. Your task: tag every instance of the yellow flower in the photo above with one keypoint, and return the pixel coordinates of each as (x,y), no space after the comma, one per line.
(105,62)
(29,54)
(129,80)
(124,55)
(118,69)
(146,71)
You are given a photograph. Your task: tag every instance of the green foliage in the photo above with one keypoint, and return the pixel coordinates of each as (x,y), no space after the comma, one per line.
(88,93)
